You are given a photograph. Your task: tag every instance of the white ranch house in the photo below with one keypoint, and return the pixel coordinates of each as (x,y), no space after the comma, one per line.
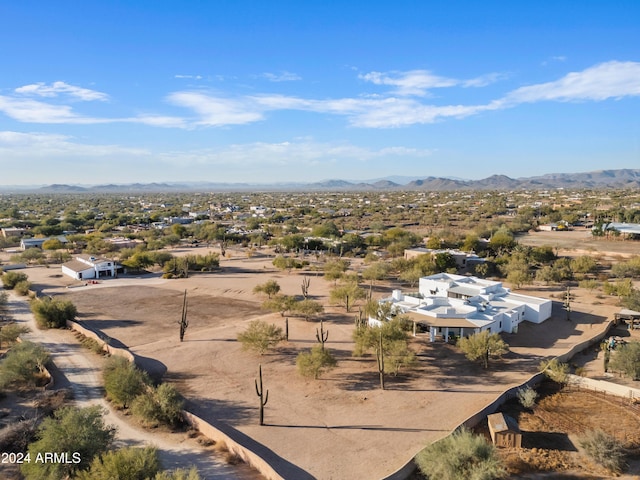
(85,267)
(449,305)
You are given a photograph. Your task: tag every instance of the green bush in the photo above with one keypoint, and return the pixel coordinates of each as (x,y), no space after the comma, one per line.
(315,362)
(23,287)
(53,313)
(179,474)
(626,359)
(161,405)
(10,279)
(604,450)
(125,463)
(10,333)
(123,381)
(23,365)
(527,396)
(79,431)
(260,336)
(460,456)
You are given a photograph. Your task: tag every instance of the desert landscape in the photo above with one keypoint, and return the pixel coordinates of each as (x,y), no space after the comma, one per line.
(341,425)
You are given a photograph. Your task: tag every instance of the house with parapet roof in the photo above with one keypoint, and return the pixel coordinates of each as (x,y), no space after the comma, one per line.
(449,306)
(85,267)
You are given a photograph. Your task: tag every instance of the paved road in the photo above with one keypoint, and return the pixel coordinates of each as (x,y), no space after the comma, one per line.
(79,369)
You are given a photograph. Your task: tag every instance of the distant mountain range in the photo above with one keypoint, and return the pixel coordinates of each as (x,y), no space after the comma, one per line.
(625,178)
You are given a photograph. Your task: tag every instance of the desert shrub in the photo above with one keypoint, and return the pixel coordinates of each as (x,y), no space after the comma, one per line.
(22,288)
(626,359)
(78,430)
(92,344)
(127,463)
(604,450)
(10,333)
(527,396)
(179,474)
(589,284)
(460,456)
(11,279)
(16,436)
(161,405)
(260,336)
(123,381)
(4,299)
(23,364)
(52,312)
(555,370)
(315,362)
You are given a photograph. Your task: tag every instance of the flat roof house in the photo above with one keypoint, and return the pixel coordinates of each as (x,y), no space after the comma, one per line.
(85,267)
(449,305)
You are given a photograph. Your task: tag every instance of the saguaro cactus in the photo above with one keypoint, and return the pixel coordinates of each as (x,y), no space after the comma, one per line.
(184,323)
(264,396)
(322,335)
(380,358)
(306,281)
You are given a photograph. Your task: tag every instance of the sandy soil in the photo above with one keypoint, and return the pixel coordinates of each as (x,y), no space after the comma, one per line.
(582,242)
(341,426)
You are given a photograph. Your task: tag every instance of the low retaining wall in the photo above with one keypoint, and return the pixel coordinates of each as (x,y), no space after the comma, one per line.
(121,352)
(234,447)
(604,386)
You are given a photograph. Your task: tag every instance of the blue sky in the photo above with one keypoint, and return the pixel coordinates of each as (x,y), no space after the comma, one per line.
(273,91)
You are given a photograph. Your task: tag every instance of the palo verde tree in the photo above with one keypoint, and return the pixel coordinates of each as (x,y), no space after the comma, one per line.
(347,294)
(270,288)
(260,336)
(23,365)
(52,312)
(315,362)
(280,303)
(483,346)
(382,340)
(129,462)
(626,359)
(81,431)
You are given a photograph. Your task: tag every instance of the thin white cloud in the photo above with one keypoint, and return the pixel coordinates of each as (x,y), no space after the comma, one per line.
(419,82)
(216,111)
(281,77)
(402,108)
(603,81)
(294,153)
(158,121)
(34,111)
(56,89)
(189,77)
(414,82)
(17,145)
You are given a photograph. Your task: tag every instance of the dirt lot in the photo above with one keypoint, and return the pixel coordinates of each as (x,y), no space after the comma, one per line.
(582,242)
(344,416)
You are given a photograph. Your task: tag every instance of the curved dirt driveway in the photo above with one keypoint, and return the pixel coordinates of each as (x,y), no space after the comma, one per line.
(80,369)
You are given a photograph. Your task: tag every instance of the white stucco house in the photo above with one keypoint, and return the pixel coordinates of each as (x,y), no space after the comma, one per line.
(85,267)
(449,305)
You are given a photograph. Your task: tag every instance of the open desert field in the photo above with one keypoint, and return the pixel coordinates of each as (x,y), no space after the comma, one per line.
(582,242)
(340,426)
